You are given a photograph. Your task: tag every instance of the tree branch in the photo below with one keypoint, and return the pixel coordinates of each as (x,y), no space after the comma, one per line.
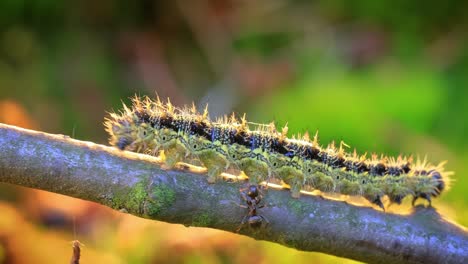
(138,185)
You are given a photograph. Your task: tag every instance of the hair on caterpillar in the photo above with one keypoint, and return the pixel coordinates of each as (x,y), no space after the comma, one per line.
(263,152)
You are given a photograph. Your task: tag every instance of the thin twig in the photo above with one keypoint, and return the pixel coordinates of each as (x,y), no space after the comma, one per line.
(137,184)
(75,259)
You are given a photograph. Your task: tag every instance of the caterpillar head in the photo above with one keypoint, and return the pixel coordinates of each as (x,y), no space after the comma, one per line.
(425,185)
(122,131)
(438,182)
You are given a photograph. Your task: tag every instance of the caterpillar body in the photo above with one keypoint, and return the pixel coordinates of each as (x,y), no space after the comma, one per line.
(263,153)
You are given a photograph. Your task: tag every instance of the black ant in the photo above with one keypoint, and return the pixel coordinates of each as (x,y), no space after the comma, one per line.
(252,196)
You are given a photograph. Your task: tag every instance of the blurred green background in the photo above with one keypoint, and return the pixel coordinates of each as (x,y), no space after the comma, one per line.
(384,76)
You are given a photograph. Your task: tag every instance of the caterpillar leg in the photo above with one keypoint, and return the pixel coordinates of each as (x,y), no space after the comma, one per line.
(289,170)
(296,184)
(324,182)
(423,196)
(174,155)
(213,175)
(379,203)
(372,191)
(174,150)
(295,181)
(396,199)
(252,162)
(256,171)
(376,200)
(215,164)
(296,190)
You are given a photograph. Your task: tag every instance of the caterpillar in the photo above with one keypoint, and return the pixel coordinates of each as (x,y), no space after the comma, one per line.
(262,152)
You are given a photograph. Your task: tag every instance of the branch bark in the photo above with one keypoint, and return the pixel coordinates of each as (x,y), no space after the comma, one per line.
(137,184)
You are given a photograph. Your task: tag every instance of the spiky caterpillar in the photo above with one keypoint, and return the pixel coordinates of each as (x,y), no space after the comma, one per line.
(263,153)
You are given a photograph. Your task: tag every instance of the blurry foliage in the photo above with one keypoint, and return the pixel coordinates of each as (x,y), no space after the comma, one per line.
(384,76)
(262,44)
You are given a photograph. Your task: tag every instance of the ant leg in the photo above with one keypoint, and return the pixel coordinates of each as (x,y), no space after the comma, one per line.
(243,195)
(267,223)
(249,201)
(240,205)
(243,190)
(242,224)
(260,202)
(262,189)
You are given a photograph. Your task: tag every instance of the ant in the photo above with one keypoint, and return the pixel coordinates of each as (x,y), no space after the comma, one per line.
(252,196)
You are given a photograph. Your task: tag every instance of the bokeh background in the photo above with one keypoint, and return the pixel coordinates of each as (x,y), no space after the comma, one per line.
(384,76)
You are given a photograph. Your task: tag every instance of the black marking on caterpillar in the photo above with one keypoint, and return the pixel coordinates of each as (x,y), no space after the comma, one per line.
(262,153)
